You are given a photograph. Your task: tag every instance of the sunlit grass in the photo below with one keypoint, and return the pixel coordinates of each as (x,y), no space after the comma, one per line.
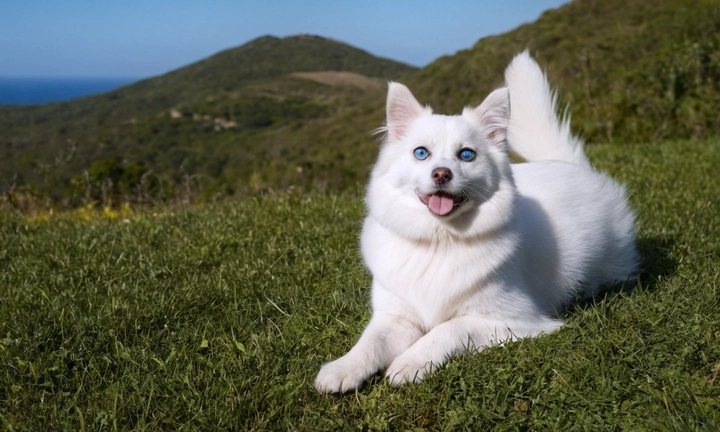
(219,316)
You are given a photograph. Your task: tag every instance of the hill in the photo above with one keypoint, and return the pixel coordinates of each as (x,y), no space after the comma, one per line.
(260,60)
(638,71)
(300,111)
(189,122)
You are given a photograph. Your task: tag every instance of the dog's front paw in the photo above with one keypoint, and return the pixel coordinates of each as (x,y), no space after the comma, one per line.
(403,371)
(340,376)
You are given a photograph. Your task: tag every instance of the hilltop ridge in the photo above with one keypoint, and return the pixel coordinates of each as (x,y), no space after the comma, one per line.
(261,59)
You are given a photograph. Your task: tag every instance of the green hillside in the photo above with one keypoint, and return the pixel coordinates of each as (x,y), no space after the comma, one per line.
(632,71)
(190,123)
(300,110)
(260,60)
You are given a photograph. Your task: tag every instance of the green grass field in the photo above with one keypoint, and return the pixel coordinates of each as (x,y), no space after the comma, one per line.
(218,317)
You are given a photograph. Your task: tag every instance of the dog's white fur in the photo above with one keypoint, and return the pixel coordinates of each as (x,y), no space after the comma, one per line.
(501,265)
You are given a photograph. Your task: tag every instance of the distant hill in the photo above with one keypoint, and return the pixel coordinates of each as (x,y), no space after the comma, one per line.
(190,122)
(260,60)
(299,110)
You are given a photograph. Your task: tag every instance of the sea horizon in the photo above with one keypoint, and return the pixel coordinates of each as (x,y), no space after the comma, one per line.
(41,90)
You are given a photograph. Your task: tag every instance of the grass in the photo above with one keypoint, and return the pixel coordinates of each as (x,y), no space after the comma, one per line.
(218,317)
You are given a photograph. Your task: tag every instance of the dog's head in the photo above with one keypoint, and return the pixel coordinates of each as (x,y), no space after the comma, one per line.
(438,171)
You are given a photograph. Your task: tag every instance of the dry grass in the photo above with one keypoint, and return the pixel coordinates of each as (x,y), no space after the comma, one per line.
(333,78)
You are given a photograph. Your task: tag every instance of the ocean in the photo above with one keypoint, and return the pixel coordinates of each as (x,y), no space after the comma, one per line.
(31,91)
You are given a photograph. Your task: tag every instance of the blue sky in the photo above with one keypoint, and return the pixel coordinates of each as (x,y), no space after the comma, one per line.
(142,38)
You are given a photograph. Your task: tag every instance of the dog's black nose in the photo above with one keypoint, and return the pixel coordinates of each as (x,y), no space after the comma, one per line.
(441,175)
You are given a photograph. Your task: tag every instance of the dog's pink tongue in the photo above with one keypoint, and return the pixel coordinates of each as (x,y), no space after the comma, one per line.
(441,204)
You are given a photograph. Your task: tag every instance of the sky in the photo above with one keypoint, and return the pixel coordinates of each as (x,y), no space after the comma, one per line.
(144,38)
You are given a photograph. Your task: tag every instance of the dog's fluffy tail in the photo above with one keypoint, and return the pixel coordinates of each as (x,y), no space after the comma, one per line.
(535,132)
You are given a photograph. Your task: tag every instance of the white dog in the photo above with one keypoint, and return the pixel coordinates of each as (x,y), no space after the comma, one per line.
(465,249)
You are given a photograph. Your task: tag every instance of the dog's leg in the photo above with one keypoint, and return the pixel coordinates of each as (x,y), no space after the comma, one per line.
(455,336)
(384,338)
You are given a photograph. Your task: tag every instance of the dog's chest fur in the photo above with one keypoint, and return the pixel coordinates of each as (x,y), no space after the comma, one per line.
(436,279)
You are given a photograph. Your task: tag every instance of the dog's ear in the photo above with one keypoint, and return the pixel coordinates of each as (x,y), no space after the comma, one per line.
(402,109)
(493,115)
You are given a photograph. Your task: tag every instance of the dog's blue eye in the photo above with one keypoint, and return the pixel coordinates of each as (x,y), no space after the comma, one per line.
(467,155)
(421,153)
